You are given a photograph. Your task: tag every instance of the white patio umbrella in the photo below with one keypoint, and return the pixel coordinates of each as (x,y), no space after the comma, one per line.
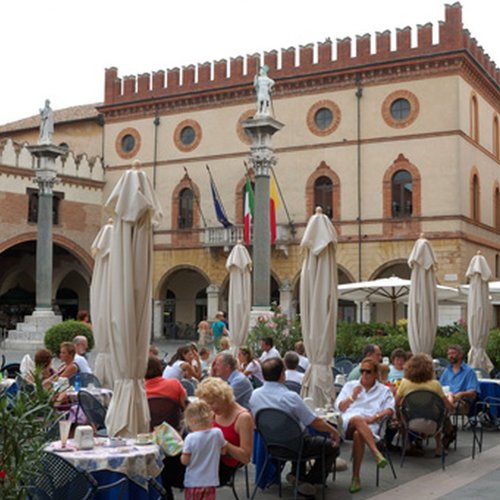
(99,304)
(392,290)
(318,307)
(478,305)
(422,301)
(136,209)
(239,265)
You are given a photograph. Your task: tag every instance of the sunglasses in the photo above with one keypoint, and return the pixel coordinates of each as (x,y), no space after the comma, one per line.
(364,370)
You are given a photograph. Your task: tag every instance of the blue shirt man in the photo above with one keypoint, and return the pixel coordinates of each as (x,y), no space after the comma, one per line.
(459,377)
(225,367)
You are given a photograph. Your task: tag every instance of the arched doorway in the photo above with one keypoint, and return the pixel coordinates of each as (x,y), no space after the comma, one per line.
(184,298)
(71,280)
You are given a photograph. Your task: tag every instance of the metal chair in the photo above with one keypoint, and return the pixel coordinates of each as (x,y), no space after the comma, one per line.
(188,386)
(487,416)
(284,440)
(420,406)
(382,446)
(60,479)
(293,386)
(344,366)
(86,379)
(165,410)
(11,370)
(232,481)
(94,411)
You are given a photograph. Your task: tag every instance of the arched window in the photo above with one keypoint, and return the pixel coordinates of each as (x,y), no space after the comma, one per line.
(185,219)
(323,195)
(496,208)
(474,119)
(402,194)
(475,198)
(496,138)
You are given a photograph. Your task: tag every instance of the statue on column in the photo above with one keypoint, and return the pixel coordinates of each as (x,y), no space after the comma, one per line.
(263,86)
(46,124)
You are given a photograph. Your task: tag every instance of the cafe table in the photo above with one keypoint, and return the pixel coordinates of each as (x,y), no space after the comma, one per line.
(138,462)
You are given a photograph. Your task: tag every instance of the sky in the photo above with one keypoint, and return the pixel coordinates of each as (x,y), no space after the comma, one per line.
(58,49)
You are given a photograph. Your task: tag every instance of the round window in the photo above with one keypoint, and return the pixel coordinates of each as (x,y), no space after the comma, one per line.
(128,143)
(323,118)
(400,109)
(188,135)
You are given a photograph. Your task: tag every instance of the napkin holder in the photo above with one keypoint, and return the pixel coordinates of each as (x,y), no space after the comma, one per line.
(84,437)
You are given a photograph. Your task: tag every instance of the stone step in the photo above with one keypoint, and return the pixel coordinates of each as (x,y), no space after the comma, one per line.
(22,345)
(26,335)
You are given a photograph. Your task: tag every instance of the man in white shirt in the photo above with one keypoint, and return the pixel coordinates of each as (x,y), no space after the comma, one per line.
(81,346)
(291,360)
(268,350)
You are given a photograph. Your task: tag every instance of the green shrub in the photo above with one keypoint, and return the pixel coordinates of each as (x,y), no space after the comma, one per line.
(66,332)
(493,347)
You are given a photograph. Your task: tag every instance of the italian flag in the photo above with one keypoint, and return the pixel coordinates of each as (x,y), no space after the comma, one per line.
(249,207)
(274,202)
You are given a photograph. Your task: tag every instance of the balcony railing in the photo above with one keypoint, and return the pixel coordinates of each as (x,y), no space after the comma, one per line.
(227,237)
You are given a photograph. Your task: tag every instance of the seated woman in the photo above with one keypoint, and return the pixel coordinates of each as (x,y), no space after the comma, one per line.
(363,404)
(420,375)
(235,422)
(158,387)
(180,364)
(67,354)
(249,365)
(43,365)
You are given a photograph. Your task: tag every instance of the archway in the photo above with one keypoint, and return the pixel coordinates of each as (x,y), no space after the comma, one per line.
(18,276)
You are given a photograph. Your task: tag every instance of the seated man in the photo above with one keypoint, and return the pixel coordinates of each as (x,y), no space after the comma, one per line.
(460,378)
(300,349)
(274,394)
(81,346)
(226,367)
(268,349)
(291,360)
(371,351)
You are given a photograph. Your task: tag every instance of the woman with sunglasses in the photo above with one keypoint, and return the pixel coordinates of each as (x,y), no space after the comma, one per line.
(363,404)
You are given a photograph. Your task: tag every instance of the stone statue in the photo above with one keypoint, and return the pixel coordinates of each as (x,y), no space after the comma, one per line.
(46,124)
(263,86)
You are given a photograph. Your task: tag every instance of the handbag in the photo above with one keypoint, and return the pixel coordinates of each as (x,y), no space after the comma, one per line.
(168,439)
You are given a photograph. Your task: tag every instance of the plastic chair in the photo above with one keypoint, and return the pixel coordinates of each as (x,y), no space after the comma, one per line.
(59,478)
(94,411)
(293,386)
(421,406)
(165,410)
(188,386)
(284,440)
(487,417)
(86,379)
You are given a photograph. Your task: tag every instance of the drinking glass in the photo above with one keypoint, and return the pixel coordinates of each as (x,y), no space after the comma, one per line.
(64,427)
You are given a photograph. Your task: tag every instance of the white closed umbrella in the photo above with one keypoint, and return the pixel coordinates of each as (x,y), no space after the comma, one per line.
(318,307)
(136,209)
(99,304)
(478,312)
(422,301)
(239,265)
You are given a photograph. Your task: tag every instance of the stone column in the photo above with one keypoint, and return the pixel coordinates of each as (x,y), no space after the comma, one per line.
(28,336)
(261,129)
(157,319)
(212,301)
(286,294)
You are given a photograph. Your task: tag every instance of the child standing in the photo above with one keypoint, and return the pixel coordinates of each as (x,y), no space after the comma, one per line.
(203,447)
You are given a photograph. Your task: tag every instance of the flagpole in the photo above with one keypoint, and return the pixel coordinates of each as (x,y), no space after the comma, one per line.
(290,221)
(196,198)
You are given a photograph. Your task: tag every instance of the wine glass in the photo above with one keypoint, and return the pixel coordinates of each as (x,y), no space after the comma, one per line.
(64,428)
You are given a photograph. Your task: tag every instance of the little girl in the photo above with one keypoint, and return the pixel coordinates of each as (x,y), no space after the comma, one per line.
(203,447)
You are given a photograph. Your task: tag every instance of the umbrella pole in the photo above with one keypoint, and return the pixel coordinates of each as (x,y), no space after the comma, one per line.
(394,305)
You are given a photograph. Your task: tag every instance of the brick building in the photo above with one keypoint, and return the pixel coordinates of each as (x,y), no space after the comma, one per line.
(392,142)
